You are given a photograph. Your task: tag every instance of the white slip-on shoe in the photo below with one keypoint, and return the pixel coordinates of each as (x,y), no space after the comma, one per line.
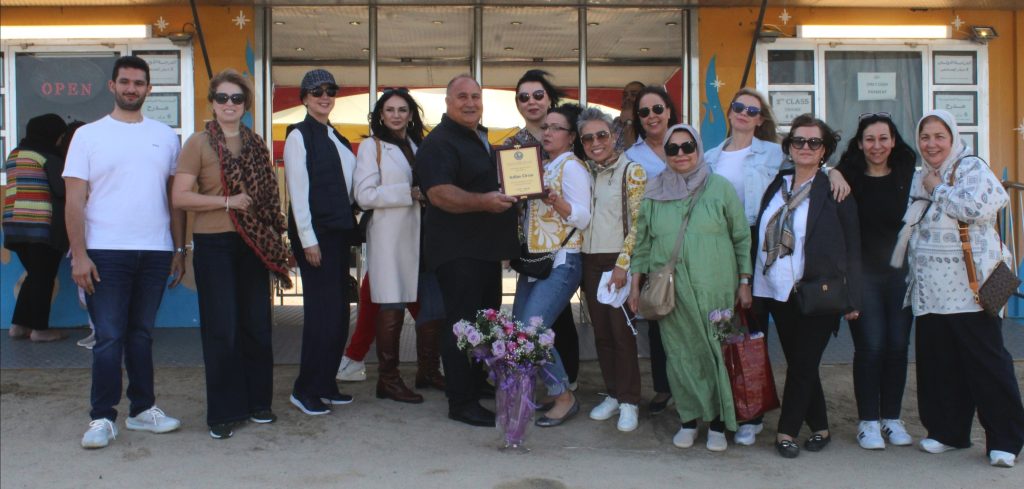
(609,407)
(934,446)
(897,432)
(716,441)
(747,433)
(100,432)
(351,370)
(685,437)
(999,458)
(152,420)
(628,417)
(869,435)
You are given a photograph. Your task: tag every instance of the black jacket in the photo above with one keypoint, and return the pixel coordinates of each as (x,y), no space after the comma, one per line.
(832,245)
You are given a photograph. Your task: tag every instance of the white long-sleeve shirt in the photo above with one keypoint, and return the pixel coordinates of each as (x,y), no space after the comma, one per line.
(297,179)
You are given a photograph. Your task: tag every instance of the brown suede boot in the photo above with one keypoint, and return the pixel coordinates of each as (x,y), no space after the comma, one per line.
(428,357)
(389,382)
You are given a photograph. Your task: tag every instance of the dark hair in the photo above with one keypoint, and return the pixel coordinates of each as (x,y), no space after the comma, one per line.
(853,164)
(673,118)
(231,76)
(66,143)
(43,131)
(571,112)
(414,131)
(768,130)
(130,62)
(830,137)
(541,76)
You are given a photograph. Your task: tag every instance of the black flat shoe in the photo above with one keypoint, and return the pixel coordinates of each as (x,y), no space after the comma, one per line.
(817,443)
(546,422)
(546,406)
(658,407)
(472,414)
(787,448)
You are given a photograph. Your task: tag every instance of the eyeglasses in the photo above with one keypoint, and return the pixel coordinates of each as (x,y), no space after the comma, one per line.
(646,111)
(688,147)
(545,127)
(739,108)
(599,136)
(881,115)
(538,95)
(813,143)
(389,91)
(223,98)
(320,91)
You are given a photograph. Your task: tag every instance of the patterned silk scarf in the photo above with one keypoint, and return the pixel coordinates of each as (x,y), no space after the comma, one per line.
(779,240)
(251,172)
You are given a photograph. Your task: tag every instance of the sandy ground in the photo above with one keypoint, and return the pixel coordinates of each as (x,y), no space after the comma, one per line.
(383,444)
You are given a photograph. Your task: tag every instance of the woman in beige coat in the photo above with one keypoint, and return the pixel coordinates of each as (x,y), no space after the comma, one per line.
(384,184)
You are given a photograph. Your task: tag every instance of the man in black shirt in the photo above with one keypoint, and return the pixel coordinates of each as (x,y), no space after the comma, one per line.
(469,228)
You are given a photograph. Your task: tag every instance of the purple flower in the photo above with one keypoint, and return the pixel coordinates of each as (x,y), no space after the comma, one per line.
(527,347)
(460,329)
(726,314)
(474,337)
(715,316)
(498,349)
(546,338)
(536,321)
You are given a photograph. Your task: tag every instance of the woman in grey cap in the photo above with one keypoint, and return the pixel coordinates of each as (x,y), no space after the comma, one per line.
(318,164)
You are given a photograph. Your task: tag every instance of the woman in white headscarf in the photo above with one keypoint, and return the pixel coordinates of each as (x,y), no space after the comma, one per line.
(961,361)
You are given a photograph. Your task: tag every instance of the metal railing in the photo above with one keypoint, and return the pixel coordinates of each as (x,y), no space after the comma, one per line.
(1011,225)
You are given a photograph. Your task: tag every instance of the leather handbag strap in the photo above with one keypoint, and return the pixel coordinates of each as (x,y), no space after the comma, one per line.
(377,141)
(965,244)
(625,200)
(671,264)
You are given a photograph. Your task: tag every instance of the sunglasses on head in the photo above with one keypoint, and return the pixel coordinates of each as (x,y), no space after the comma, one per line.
(320,91)
(672,149)
(599,136)
(880,115)
(646,111)
(389,91)
(223,98)
(751,111)
(813,143)
(538,95)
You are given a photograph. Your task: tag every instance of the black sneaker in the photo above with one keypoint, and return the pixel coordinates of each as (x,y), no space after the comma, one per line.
(658,407)
(221,431)
(310,405)
(337,399)
(263,416)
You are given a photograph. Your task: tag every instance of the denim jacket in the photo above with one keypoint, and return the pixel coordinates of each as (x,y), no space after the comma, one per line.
(759,169)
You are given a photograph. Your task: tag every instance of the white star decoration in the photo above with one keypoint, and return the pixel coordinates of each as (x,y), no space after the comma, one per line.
(240,21)
(161,24)
(1020,129)
(717,83)
(957,22)
(784,17)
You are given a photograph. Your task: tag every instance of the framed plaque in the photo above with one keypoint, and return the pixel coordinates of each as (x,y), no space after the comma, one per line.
(164,107)
(963,106)
(955,68)
(970,140)
(520,171)
(164,66)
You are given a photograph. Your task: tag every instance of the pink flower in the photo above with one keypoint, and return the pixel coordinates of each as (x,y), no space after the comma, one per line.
(490,314)
(715,316)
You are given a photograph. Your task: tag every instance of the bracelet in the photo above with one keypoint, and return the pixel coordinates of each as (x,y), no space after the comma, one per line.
(226,203)
(744,280)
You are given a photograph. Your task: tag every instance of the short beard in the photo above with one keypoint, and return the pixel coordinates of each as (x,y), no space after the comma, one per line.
(129,106)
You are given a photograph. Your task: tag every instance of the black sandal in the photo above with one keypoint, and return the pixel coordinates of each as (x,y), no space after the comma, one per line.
(817,442)
(787,448)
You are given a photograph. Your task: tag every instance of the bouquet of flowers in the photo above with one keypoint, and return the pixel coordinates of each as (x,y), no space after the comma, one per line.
(728,329)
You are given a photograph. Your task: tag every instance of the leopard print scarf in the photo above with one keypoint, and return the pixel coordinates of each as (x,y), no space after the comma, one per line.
(251,172)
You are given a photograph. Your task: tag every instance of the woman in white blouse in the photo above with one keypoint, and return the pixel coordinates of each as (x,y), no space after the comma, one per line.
(961,361)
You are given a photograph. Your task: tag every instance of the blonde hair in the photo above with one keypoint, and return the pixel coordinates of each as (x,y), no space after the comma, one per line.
(768,130)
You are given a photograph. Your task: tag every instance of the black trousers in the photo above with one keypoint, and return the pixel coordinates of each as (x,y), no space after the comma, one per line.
(235,323)
(41,262)
(658,358)
(467,285)
(567,342)
(803,340)
(962,365)
(325,310)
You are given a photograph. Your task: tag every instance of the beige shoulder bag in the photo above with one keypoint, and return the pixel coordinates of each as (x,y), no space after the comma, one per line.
(658,294)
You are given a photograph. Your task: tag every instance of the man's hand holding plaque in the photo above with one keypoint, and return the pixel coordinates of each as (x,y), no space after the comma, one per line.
(521,171)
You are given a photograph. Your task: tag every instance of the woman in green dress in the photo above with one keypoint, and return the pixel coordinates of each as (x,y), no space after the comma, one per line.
(712,272)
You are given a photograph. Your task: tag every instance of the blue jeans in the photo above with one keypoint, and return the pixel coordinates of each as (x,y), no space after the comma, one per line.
(881,337)
(546,298)
(123,308)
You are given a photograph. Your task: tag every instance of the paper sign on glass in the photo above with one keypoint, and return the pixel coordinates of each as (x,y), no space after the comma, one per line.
(520,171)
(876,86)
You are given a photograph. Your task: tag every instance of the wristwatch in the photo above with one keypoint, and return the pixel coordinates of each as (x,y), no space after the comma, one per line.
(181,251)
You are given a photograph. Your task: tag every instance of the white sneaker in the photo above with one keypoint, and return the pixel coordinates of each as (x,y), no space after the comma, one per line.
(88,342)
(934,446)
(716,441)
(628,417)
(609,407)
(152,420)
(870,435)
(685,437)
(897,433)
(999,458)
(747,433)
(573,386)
(351,370)
(101,431)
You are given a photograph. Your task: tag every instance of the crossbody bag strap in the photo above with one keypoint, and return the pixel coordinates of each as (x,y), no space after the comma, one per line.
(965,244)
(625,200)
(671,264)
(377,141)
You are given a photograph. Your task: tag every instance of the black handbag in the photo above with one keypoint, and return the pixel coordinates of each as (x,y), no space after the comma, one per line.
(537,265)
(822,297)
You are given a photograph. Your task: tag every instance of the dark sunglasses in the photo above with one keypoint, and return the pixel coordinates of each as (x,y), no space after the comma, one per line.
(235,98)
(389,91)
(646,111)
(538,95)
(813,143)
(320,91)
(672,149)
(880,115)
(739,108)
(599,136)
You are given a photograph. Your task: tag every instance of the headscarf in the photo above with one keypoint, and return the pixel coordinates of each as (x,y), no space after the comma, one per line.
(920,199)
(42,133)
(672,185)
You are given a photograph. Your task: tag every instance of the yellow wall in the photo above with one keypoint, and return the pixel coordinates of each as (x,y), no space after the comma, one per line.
(225,42)
(726,33)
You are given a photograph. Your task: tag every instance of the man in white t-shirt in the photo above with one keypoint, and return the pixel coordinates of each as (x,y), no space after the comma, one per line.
(125,240)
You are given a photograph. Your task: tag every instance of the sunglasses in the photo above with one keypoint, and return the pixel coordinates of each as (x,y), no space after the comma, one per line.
(646,111)
(389,91)
(813,143)
(880,115)
(751,111)
(223,98)
(545,127)
(672,149)
(599,136)
(320,91)
(538,95)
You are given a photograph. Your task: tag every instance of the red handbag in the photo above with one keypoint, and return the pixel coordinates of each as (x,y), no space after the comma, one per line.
(750,374)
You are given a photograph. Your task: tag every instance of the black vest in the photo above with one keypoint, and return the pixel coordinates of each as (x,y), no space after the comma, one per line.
(328,194)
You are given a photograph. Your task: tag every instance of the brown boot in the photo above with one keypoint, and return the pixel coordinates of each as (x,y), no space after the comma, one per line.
(428,358)
(389,382)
